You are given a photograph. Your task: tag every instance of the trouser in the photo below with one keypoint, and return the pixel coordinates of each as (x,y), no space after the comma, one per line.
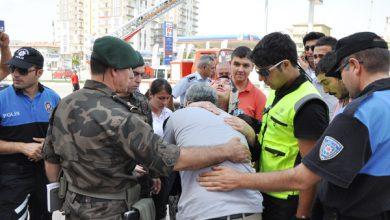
(333,214)
(161,199)
(279,209)
(76,87)
(23,191)
(78,206)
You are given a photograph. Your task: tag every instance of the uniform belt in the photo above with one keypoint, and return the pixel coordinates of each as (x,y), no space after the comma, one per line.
(15,169)
(110,196)
(235,216)
(87,199)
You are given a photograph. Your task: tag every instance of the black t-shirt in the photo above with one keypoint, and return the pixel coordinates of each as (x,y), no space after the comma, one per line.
(353,157)
(312,118)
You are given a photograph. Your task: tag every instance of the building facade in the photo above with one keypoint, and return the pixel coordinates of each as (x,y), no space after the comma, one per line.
(80,22)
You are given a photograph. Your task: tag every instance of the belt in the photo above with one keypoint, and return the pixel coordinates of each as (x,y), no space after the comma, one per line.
(87,199)
(235,216)
(15,169)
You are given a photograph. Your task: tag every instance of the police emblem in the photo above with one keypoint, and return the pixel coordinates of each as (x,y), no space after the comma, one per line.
(21,53)
(48,107)
(330,148)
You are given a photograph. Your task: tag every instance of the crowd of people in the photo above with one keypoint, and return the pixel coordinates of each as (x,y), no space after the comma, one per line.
(316,147)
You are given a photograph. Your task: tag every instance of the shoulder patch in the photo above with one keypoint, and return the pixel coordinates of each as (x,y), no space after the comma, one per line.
(191,78)
(330,148)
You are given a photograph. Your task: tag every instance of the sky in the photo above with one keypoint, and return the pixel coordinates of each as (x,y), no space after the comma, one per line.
(30,20)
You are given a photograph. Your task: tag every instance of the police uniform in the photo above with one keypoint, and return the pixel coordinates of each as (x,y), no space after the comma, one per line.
(23,182)
(97,139)
(181,87)
(353,154)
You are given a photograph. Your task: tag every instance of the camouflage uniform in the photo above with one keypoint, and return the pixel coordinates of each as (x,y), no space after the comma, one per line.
(97,139)
(142,103)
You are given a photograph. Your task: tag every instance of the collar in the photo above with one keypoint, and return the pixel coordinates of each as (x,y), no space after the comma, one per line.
(288,89)
(249,87)
(199,77)
(41,88)
(381,84)
(95,85)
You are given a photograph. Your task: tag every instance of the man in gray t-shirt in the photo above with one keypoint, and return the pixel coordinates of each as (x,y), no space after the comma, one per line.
(196,126)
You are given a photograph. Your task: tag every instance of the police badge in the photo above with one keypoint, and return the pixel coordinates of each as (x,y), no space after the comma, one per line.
(330,148)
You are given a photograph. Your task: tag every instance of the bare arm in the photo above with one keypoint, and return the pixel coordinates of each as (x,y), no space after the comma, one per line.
(306,197)
(193,158)
(32,150)
(226,179)
(5,55)
(52,171)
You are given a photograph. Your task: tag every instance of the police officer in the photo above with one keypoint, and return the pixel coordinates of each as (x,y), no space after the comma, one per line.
(96,139)
(205,68)
(352,156)
(25,108)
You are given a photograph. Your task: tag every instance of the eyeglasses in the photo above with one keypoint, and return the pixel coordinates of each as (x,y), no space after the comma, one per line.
(318,56)
(21,71)
(309,47)
(266,71)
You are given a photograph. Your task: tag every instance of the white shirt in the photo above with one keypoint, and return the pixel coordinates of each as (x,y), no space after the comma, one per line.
(159,120)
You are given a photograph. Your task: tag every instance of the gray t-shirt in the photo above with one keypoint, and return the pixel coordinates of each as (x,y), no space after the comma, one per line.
(193,126)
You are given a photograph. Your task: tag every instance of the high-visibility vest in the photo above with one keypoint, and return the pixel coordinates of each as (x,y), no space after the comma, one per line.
(279,146)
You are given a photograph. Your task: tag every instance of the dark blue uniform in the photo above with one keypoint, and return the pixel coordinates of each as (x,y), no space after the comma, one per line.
(353,158)
(22,182)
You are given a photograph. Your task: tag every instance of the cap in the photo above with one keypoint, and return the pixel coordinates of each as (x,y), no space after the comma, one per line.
(353,44)
(26,57)
(140,61)
(114,52)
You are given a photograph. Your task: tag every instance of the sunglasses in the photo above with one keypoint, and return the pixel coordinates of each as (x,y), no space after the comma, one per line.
(266,71)
(21,71)
(318,56)
(307,48)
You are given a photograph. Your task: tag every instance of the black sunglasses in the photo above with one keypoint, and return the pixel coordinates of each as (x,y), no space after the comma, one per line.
(265,71)
(309,47)
(21,71)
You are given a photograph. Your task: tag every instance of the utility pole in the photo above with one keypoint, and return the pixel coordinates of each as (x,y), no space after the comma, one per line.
(266,17)
(310,22)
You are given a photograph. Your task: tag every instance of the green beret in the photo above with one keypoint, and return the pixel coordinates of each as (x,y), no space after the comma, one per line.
(115,53)
(140,60)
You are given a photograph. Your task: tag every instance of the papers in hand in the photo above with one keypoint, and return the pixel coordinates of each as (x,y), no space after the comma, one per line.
(54,203)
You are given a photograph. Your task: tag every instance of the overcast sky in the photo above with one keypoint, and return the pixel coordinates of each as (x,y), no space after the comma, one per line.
(30,20)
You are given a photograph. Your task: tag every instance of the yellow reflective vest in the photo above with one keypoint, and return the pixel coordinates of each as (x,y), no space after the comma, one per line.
(279,146)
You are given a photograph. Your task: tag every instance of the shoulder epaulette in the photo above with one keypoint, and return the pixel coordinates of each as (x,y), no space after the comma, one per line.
(189,79)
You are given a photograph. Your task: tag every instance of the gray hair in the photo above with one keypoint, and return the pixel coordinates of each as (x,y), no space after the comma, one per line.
(201,92)
(204,61)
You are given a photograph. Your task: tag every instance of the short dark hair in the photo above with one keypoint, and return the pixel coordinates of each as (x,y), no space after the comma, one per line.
(374,59)
(97,68)
(274,48)
(241,52)
(327,41)
(159,85)
(312,36)
(325,64)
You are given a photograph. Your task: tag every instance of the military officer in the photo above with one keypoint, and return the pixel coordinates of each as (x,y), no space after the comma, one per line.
(96,139)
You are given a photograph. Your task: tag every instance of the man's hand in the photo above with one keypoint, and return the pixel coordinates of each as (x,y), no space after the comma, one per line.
(156,186)
(33,150)
(4,40)
(239,125)
(220,179)
(206,105)
(303,62)
(238,152)
(139,171)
